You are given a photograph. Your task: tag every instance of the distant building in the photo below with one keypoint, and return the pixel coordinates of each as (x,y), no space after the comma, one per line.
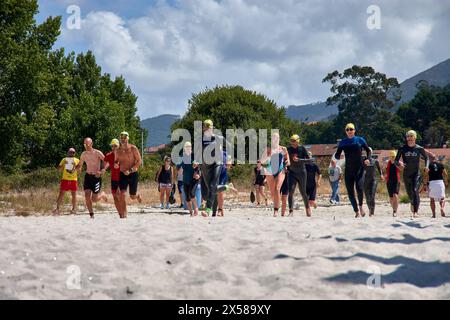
(323,153)
(153,150)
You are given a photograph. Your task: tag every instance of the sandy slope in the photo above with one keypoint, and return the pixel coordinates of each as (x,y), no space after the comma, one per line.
(247,254)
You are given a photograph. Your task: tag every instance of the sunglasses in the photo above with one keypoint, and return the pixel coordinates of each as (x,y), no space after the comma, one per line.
(349,129)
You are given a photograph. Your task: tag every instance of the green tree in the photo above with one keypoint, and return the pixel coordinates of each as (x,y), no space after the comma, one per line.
(233,107)
(363,97)
(438,133)
(50,101)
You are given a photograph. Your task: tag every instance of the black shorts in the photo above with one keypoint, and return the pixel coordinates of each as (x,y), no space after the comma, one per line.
(260,182)
(130,180)
(393,188)
(91,182)
(114,186)
(311,192)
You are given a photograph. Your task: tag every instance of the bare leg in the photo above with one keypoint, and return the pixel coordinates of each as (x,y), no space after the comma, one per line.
(433,207)
(117,203)
(262,190)
(283,205)
(167,195)
(161,196)
(220,202)
(88,199)
(189,206)
(59,201)
(258,194)
(278,183)
(194,201)
(123,203)
(272,189)
(74,202)
(442,203)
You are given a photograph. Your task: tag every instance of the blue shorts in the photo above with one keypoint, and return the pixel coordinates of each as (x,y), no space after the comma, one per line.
(180,186)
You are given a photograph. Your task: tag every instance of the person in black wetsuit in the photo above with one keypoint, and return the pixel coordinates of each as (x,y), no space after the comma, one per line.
(371,166)
(298,156)
(313,178)
(411,153)
(393,181)
(352,147)
(284,192)
(211,166)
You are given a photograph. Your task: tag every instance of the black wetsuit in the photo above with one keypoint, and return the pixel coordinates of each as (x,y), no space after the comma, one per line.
(370,183)
(312,170)
(297,174)
(411,176)
(211,169)
(354,167)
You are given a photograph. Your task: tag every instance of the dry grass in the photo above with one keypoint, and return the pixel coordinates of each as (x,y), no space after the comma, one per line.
(42,201)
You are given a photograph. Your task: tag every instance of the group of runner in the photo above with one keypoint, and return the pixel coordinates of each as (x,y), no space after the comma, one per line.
(281,168)
(123,160)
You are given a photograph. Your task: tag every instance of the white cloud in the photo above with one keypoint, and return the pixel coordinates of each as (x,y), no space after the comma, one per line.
(281,48)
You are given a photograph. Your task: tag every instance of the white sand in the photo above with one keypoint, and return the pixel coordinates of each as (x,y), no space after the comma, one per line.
(246,255)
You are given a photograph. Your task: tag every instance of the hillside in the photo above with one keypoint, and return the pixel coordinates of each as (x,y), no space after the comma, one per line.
(438,75)
(158,128)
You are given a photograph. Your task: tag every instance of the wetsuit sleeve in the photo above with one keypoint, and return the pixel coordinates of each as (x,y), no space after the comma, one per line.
(366,147)
(305,154)
(425,157)
(398,156)
(338,153)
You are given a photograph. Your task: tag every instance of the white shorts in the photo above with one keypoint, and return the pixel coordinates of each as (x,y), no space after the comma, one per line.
(165,186)
(437,189)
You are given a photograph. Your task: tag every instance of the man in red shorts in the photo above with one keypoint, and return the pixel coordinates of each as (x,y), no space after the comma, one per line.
(69,181)
(115,172)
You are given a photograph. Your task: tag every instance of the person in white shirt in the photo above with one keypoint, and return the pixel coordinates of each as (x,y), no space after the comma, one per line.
(335,175)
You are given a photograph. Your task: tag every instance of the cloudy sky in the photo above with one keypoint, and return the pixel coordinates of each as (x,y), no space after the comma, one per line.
(167,50)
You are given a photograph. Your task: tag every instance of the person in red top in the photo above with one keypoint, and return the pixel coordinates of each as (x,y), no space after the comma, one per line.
(115,172)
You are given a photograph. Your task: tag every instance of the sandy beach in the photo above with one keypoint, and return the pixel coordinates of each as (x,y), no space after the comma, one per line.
(248,254)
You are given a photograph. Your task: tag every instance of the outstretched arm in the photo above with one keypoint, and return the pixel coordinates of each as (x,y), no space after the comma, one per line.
(80,164)
(338,152)
(424,155)
(445,175)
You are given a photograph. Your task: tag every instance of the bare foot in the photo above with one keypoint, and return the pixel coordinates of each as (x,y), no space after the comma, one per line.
(139,198)
(73,211)
(357,215)
(442,213)
(56,212)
